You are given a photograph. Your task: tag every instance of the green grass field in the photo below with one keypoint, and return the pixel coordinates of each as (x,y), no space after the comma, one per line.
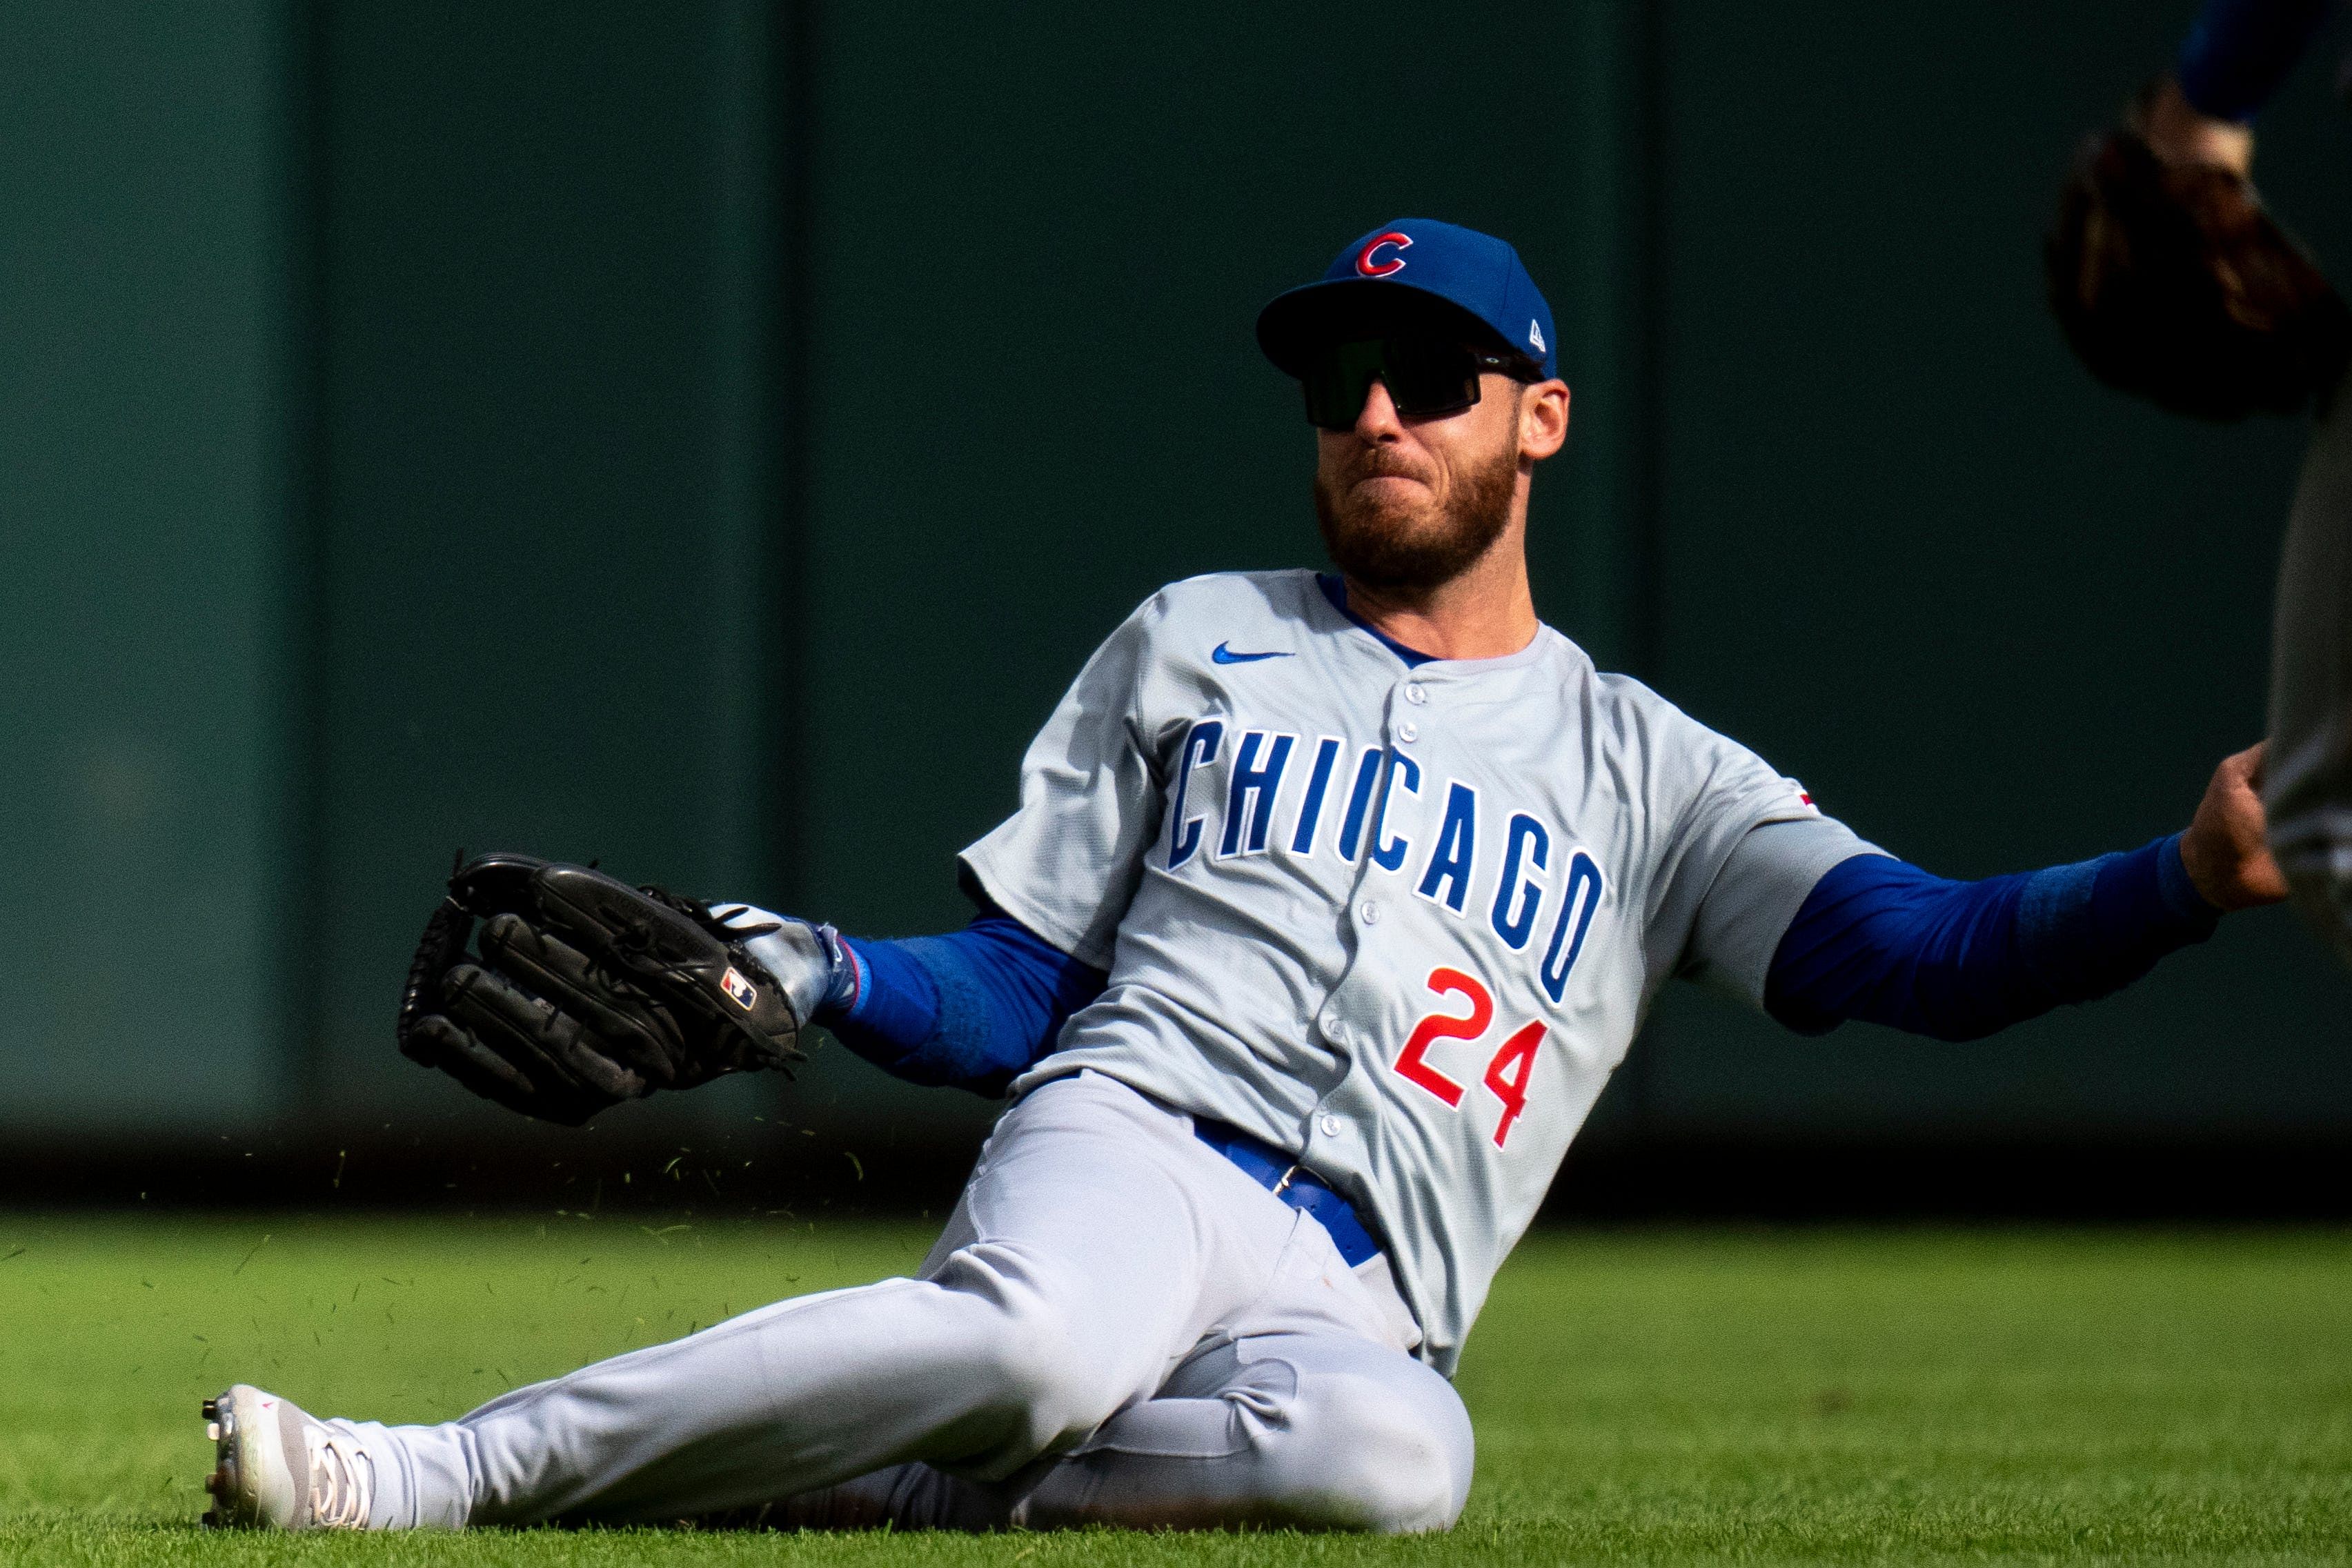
(1685,1395)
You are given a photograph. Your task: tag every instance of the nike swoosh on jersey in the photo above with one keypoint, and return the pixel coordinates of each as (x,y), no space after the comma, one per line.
(1222,653)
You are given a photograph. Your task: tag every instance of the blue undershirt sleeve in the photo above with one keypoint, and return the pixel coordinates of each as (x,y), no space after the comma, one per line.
(1884,941)
(2239,51)
(968,1010)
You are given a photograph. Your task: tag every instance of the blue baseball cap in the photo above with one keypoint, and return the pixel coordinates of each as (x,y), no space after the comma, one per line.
(1408,271)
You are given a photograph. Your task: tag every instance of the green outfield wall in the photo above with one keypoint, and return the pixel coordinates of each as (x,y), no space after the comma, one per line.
(707,438)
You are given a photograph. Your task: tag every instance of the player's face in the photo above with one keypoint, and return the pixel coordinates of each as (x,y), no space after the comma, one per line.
(1410,503)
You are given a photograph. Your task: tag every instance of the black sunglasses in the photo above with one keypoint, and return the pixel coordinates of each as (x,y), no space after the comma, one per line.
(1426,376)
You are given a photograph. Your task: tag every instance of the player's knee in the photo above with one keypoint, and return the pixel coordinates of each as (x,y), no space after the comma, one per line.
(1367,1455)
(1034,1383)
(1038,1390)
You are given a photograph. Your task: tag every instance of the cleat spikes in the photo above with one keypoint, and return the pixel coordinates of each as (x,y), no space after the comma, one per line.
(212,1431)
(212,1410)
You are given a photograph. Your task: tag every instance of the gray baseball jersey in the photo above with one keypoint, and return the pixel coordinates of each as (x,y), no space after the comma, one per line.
(1402,921)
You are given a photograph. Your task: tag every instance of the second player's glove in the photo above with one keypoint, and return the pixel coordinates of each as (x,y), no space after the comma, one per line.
(585,991)
(2174,284)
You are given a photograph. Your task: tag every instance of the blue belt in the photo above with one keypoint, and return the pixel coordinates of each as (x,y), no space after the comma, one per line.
(1293,1183)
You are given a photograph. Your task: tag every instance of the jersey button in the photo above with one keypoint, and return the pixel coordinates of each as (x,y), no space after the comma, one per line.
(1369,913)
(1330,1126)
(1406,731)
(1414,693)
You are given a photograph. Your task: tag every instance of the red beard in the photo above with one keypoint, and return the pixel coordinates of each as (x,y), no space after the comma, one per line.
(1412,548)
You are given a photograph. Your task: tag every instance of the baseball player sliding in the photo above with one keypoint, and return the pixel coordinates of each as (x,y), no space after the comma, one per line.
(1329,905)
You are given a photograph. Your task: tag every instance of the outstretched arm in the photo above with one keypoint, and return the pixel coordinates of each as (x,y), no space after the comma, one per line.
(1881,940)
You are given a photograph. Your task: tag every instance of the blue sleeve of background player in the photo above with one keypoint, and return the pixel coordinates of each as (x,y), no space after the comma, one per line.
(2239,51)
(1883,941)
(968,1010)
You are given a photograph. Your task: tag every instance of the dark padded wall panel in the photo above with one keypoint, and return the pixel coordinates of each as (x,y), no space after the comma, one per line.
(544,516)
(143,541)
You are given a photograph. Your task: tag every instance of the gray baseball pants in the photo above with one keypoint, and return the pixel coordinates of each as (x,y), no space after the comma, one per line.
(2307,786)
(1117,1327)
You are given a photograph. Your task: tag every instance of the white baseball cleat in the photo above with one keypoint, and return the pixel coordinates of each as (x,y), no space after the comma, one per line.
(278,1469)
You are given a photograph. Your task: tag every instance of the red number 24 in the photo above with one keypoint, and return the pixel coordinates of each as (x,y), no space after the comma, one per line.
(1506,1075)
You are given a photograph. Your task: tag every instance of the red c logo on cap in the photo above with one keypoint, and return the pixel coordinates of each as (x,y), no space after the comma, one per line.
(1371,268)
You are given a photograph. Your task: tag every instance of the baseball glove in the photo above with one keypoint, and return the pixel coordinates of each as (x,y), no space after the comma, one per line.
(2174,284)
(585,991)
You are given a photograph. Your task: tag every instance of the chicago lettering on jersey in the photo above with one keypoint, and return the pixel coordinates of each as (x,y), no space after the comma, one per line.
(1238,792)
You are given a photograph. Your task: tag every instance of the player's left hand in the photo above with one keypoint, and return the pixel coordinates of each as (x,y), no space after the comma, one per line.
(2225,848)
